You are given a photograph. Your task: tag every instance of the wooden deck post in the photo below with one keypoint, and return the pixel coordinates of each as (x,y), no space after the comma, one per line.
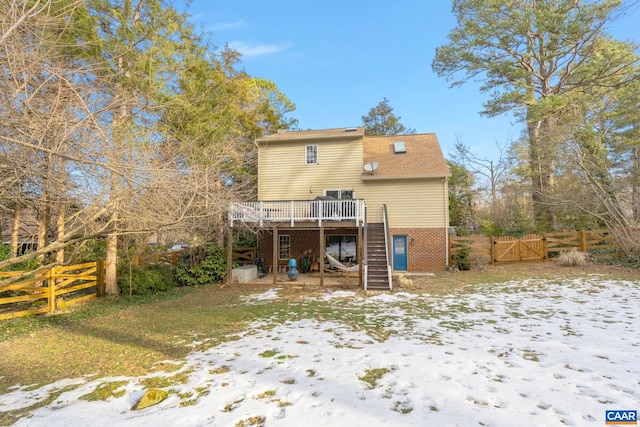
(275,255)
(359,257)
(322,250)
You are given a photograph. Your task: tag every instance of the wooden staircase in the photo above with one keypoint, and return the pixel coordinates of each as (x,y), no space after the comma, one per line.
(378,276)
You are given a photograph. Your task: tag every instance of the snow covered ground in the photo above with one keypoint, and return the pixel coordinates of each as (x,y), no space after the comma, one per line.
(532,353)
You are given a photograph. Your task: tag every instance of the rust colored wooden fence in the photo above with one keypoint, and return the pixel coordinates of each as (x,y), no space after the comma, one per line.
(23,293)
(532,247)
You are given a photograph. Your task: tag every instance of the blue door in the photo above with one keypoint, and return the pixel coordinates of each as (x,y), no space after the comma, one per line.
(400,253)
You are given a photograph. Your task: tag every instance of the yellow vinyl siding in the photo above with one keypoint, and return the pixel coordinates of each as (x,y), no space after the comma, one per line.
(411,203)
(284,175)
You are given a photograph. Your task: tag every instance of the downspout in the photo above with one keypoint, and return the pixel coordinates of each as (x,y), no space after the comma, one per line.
(446,222)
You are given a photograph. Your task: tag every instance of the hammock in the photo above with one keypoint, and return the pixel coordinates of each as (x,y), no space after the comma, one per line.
(337,264)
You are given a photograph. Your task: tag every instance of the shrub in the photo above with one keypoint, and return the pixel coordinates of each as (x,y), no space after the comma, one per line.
(462,258)
(88,251)
(211,268)
(572,258)
(5,254)
(147,280)
(624,261)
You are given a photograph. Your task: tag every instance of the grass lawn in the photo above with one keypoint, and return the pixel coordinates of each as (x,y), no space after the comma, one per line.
(133,336)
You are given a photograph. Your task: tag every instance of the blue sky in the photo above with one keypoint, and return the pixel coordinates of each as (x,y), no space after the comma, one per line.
(337,59)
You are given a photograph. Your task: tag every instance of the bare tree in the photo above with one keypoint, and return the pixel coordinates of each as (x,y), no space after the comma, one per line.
(92,141)
(488,172)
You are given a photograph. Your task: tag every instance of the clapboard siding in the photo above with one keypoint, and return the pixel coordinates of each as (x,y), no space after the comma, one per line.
(283,174)
(411,203)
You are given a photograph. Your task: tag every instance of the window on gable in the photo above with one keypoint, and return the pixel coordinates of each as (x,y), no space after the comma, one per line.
(284,246)
(311,154)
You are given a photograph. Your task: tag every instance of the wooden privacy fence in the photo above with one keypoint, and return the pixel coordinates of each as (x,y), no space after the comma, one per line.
(24,293)
(509,249)
(532,247)
(477,247)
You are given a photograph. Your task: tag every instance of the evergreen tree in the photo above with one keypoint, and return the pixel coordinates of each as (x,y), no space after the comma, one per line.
(381,121)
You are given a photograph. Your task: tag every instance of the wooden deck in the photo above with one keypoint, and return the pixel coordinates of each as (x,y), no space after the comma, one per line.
(298,212)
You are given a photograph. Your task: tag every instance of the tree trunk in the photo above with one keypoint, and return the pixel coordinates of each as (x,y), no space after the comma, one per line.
(635,184)
(111,263)
(541,166)
(15,230)
(219,239)
(60,231)
(43,225)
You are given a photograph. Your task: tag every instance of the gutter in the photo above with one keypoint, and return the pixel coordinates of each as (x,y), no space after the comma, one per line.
(383,177)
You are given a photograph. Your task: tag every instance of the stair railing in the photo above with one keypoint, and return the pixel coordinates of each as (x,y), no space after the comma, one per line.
(385,220)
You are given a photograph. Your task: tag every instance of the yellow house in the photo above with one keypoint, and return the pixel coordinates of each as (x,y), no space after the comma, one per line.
(380,203)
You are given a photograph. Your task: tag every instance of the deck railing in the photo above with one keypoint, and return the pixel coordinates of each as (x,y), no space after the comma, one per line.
(298,210)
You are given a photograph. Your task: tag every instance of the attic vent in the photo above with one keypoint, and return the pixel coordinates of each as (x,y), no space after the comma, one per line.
(351,129)
(399,147)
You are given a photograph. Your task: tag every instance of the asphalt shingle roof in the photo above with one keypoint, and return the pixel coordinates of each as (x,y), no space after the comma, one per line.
(423,156)
(355,132)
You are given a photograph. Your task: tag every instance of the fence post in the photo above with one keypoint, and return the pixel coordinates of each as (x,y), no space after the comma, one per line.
(545,252)
(492,250)
(100,282)
(51,281)
(583,241)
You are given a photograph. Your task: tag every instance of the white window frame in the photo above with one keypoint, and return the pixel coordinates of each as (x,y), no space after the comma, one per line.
(340,193)
(311,154)
(284,246)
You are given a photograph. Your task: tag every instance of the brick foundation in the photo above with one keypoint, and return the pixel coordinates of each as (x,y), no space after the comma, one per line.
(427,247)
(303,242)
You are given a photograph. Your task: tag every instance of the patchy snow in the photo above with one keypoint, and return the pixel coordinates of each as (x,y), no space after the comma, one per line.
(327,296)
(270,294)
(532,353)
